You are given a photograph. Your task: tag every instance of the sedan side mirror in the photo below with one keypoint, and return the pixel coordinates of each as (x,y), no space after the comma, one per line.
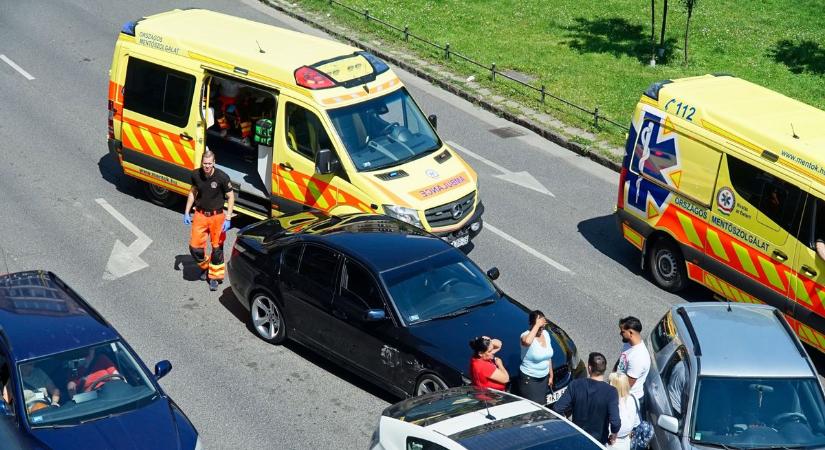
(433,120)
(326,162)
(493,273)
(162,368)
(374,315)
(668,423)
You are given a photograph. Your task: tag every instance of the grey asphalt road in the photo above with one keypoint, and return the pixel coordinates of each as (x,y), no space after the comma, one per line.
(239,391)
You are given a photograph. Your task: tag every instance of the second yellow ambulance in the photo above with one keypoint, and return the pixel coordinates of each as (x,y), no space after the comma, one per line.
(723,183)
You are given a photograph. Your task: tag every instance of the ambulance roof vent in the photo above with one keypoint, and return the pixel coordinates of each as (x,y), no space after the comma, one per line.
(653,90)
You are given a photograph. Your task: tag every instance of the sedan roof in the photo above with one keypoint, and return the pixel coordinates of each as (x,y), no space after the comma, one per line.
(745,340)
(40,315)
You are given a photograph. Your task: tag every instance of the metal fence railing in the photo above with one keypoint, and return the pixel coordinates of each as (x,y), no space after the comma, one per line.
(494,72)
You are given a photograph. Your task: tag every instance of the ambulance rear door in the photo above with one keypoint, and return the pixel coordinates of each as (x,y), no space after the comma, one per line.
(162,129)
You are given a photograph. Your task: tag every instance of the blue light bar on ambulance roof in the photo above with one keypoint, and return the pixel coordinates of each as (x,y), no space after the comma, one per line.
(129,27)
(378,66)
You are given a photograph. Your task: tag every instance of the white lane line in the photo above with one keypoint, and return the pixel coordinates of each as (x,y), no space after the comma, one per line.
(527,248)
(523,178)
(16,67)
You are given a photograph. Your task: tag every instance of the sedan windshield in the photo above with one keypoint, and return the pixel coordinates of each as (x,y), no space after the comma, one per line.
(759,413)
(81,385)
(440,286)
(385,131)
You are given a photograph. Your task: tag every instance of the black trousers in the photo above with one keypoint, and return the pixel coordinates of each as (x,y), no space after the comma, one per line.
(532,388)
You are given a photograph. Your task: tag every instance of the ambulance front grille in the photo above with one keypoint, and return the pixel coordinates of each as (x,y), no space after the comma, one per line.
(442,216)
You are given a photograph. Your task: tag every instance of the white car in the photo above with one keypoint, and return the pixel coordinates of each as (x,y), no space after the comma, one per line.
(470,418)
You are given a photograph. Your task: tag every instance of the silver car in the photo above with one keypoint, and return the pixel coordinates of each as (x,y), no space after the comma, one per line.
(731,376)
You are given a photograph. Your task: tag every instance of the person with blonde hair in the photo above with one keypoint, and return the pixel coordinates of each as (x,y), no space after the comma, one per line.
(628,411)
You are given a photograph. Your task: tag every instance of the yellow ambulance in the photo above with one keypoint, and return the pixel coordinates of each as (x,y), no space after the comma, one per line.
(297,122)
(723,183)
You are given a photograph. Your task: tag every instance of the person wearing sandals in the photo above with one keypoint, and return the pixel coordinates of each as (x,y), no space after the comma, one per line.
(536,356)
(627,411)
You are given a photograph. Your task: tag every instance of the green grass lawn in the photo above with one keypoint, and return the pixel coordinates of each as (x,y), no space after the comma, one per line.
(596,53)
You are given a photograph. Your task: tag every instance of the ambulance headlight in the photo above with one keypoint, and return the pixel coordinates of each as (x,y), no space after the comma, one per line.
(403,214)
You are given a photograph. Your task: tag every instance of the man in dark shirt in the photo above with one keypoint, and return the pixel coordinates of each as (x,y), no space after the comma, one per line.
(594,404)
(210,186)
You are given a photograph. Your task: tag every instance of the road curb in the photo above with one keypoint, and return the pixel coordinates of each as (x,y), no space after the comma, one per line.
(544,132)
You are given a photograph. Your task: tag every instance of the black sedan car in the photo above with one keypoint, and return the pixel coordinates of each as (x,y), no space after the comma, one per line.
(389,301)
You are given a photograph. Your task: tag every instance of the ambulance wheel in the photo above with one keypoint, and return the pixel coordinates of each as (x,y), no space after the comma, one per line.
(667,265)
(160,196)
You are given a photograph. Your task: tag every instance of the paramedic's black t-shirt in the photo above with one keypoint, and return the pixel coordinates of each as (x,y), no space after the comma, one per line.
(210,191)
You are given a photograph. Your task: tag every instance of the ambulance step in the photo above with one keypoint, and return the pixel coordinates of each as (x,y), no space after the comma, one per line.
(253,203)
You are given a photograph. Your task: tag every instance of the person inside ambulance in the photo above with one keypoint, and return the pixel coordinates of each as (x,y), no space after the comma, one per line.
(231,117)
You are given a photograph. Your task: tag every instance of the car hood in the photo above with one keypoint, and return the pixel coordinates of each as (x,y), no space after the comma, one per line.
(149,427)
(447,340)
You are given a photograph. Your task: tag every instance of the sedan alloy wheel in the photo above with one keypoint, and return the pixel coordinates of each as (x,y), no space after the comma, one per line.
(267,319)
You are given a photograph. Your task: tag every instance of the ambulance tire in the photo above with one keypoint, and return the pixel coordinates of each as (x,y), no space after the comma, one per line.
(160,196)
(667,265)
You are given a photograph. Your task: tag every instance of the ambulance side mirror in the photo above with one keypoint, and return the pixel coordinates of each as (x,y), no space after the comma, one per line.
(326,162)
(433,120)
(493,273)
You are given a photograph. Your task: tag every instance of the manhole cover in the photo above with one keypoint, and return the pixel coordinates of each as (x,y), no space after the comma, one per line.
(507,132)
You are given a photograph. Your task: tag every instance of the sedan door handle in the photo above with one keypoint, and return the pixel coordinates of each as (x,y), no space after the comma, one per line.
(810,273)
(779,256)
(286,166)
(185,136)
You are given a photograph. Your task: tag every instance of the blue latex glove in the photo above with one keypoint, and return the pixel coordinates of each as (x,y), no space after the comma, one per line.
(226,225)
(187,219)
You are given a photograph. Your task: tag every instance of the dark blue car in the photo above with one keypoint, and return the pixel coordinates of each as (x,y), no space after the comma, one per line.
(70,381)
(385,299)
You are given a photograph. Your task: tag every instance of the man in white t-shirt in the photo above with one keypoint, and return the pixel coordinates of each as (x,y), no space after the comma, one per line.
(635,359)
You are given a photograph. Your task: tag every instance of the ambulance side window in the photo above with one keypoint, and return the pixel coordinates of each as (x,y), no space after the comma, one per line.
(777,200)
(158,92)
(813,225)
(305,134)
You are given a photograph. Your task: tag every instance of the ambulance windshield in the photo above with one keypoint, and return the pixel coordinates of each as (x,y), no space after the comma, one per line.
(385,131)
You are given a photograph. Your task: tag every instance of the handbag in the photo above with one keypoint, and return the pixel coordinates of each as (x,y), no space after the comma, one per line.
(643,432)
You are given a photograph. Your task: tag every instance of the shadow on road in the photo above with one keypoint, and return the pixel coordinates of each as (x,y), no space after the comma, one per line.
(603,234)
(113,173)
(230,302)
(189,268)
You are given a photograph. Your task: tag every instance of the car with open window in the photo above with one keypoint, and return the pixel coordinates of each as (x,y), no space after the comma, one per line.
(386,299)
(70,381)
(731,376)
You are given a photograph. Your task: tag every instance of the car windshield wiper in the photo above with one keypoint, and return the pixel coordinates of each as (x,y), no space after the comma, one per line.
(458,312)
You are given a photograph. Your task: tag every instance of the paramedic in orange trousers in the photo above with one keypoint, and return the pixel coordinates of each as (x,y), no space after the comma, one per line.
(210,186)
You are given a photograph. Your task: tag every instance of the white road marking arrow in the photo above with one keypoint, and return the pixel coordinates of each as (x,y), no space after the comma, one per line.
(124,259)
(523,179)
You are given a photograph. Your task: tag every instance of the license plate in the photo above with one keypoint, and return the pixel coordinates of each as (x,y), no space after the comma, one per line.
(461,241)
(556,395)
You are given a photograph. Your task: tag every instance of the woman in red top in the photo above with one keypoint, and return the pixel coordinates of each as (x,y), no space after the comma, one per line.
(487,370)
